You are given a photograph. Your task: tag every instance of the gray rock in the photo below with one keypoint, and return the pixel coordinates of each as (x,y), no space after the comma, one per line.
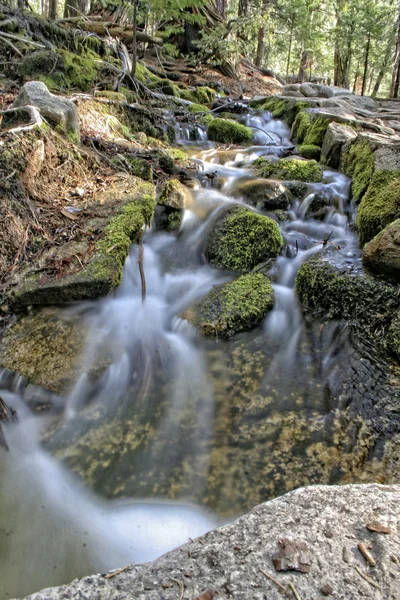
(309,90)
(174,195)
(382,253)
(291,87)
(266,194)
(60,110)
(330,521)
(335,137)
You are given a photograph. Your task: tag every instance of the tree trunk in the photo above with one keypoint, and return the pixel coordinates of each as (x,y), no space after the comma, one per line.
(243,9)
(394,88)
(53,5)
(289,52)
(364,83)
(304,64)
(134,40)
(75,8)
(221,6)
(383,69)
(261,37)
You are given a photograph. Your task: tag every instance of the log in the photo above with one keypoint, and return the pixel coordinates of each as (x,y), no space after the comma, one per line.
(110,28)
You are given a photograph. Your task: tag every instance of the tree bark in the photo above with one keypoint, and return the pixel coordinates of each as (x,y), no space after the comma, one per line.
(243,8)
(53,5)
(221,6)
(289,52)
(364,83)
(394,88)
(383,69)
(134,40)
(261,37)
(304,64)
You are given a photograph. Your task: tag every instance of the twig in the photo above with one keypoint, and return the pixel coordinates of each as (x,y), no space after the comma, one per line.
(275,581)
(21,39)
(295,592)
(181,586)
(11,45)
(367,554)
(114,573)
(365,576)
(141,271)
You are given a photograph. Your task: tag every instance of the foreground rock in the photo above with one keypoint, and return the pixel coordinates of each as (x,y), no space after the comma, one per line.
(382,253)
(263,193)
(60,111)
(329,523)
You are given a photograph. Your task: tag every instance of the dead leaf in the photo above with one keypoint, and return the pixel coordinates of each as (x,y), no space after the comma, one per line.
(205,596)
(293,555)
(68,214)
(378,527)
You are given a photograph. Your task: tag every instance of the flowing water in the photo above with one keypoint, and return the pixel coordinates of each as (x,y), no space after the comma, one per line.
(179,433)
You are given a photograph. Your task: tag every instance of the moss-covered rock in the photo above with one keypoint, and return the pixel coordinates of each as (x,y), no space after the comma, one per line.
(380,205)
(174,195)
(110,95)
(300,126)
(265,194)
(289,169)
(204,95)
(45,349)
(334,292)
(167,219)
(61,69)
(207,119)
(357,161)
(198,108)
(240,239)
(228,131)
(310,151)
(235,306)
(141,168)
(382,254)
(165,86)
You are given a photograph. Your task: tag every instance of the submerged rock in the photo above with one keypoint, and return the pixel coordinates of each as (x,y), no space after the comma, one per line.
(235,306)
(299,170)
(263,193)
(382,253)
(240,239)
(60,110)
(228,131)
(228,562)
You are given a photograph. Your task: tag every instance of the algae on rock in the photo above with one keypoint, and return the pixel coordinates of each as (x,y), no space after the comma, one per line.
(289,169)
(240,239)
(228,131)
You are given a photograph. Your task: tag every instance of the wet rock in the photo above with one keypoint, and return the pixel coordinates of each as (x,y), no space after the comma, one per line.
(235,306)
(228,131)
(174,195)
(289,168)
(240,239)
(335,137)
(380,206)
(167,219)
(310,151)
(263,193)
(228,560)
(298,189)
(60,110)
(382,253)
(320,204)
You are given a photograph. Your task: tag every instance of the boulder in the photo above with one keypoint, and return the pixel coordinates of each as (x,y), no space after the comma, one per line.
(240,239)
(289,169)
(265,194)
(335,137)
(309,90)
(382,253)
(174,195)
(228,131)
(309,538)
(60,110)
(235,306)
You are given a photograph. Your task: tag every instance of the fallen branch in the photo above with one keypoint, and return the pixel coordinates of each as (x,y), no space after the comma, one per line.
(11,45)
(110,28)
(21,39)
(141,271)
(36,118)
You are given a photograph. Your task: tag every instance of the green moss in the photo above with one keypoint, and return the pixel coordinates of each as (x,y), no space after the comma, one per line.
(186,94)
(236,306)
(316,132)
(380,205)
(358,162)
(207,119)
(293,169)
(164,86)
(141,168)
(228,132)
(276,106)
(241,239)
(126,228)
(115,96)
(179,156)
(300,126)
(204,95)
(310,151)
(198,108)
(173,220)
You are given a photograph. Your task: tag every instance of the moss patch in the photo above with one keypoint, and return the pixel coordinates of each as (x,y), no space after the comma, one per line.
(300,126)
(298,170)
(204,95)
(140,168)
(241,239)
(236,306)
(310,151)
(228,131)
(201,108)
(358,162)
(380,205)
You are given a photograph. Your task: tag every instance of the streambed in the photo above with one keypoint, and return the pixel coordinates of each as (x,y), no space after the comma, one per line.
(183,432)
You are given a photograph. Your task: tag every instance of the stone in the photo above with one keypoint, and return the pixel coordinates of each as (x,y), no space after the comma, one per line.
(240,239)
(174,195)
(382,254)
(265,194)
(335,137)
(227,561)
(309,90)
(60,110)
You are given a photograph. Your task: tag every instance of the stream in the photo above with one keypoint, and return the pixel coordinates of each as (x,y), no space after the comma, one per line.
(180,433)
